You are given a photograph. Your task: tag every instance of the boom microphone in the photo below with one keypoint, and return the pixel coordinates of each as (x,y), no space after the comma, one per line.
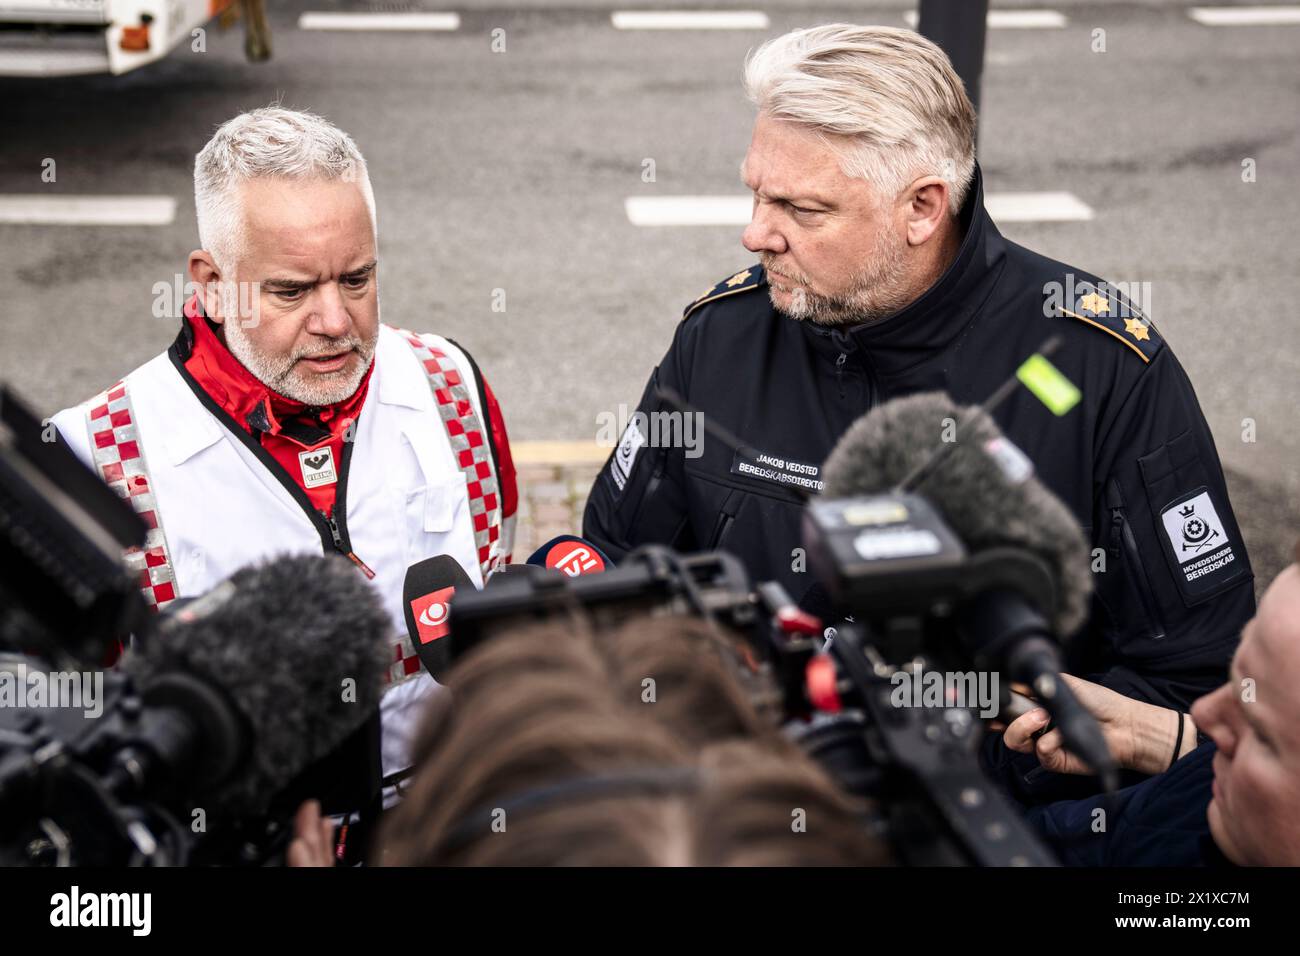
(426,601)
(985,489)
(250,682)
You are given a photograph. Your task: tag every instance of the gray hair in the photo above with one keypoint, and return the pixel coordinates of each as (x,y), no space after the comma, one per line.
(267,142)
(892,92)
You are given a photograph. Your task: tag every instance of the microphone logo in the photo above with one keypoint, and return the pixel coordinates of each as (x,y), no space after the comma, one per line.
(573,559)
(431,613)
(435,615)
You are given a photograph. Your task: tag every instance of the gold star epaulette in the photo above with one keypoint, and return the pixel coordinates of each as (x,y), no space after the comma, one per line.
(743,281)
(1103,307)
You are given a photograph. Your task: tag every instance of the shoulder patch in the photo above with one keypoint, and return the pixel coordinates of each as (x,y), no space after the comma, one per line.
(1104,307)
(744,281)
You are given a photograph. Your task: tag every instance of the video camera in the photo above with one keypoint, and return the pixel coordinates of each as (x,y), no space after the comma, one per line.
(181,726)
(950,561)
(834,686)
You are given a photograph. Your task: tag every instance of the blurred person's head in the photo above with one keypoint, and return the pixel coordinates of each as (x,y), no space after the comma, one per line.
(552,749)
(862,154)
(1254,721)
(286,218)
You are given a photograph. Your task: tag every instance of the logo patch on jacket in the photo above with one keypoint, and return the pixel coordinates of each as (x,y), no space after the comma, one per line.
(1199,540)
(625,455)
(750,463)
(317,467)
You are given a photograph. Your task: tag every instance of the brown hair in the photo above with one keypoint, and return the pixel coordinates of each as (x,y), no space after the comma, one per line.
(640,747)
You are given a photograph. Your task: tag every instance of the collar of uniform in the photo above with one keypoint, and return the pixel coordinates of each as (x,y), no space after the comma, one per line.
(244,397)
(409,391)
(933,320)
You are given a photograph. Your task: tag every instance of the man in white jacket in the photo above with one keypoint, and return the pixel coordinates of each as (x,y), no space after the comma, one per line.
(285,418)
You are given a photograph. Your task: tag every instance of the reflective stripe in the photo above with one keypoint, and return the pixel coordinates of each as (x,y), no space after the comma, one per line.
(474,456)
(115,448)
(405,662)
(119,457)
(469,442)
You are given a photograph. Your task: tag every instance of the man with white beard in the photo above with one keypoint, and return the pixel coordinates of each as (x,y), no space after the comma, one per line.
(285,418)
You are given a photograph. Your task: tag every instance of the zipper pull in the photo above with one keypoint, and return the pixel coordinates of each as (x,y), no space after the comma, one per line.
(338,546)
(1116,532)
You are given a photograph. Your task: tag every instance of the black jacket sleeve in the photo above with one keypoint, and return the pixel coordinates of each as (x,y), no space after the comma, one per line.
(1173,584)
(639,496)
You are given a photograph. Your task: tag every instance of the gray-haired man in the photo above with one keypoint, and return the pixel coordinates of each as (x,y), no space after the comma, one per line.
(285,418)
(879,275)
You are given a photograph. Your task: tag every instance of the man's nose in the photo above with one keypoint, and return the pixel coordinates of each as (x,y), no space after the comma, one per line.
(330,316)
(760,235)
(1211,716)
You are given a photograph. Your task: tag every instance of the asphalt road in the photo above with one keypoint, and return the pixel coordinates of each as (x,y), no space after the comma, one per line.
(509,170)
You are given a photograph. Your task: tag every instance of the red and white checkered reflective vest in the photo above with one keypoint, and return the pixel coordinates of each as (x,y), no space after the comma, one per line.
(422,482)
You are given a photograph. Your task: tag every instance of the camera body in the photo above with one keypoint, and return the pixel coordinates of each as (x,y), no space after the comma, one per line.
(899,580)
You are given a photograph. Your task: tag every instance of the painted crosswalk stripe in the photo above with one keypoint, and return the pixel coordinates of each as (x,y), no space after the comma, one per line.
(35,209)
(736,210)
(1012,19)
(1245,16)
(689,20)
(378,21)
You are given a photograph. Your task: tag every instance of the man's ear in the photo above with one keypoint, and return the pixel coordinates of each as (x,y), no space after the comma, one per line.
(207,277)
(926,208)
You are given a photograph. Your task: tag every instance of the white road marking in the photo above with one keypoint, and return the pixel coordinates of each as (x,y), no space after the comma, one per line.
(1011,19)
(688,210)
(378,21)
(689,20)
(32,209)
(1036,207)
(736,210)
(1245,16)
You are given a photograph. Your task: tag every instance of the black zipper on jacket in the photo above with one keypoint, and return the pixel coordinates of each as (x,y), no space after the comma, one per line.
(1143,584)
(333,530)
(1122,532)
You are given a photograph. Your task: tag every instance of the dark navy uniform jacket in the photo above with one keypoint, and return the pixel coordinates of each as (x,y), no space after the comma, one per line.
(1159,822)
(1134,460)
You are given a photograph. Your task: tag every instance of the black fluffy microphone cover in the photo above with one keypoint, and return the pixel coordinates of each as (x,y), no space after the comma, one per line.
(974,485)
(280,639)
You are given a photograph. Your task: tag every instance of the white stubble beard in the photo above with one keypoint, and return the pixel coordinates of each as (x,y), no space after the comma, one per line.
(281,374)
(875,293)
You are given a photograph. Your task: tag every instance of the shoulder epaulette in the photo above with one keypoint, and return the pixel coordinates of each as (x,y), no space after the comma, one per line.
(744,281)
(1101,305)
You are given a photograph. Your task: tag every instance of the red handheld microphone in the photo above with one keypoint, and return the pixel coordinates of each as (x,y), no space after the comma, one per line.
(570,555)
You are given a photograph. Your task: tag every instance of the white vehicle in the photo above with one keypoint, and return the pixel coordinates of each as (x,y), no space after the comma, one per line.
(67,37)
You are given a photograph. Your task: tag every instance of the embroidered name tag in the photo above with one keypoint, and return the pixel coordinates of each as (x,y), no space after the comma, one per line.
(749,463)
(317,467)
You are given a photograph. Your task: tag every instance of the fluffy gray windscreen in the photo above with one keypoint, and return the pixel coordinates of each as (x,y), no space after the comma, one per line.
(971,490)
(299,646)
